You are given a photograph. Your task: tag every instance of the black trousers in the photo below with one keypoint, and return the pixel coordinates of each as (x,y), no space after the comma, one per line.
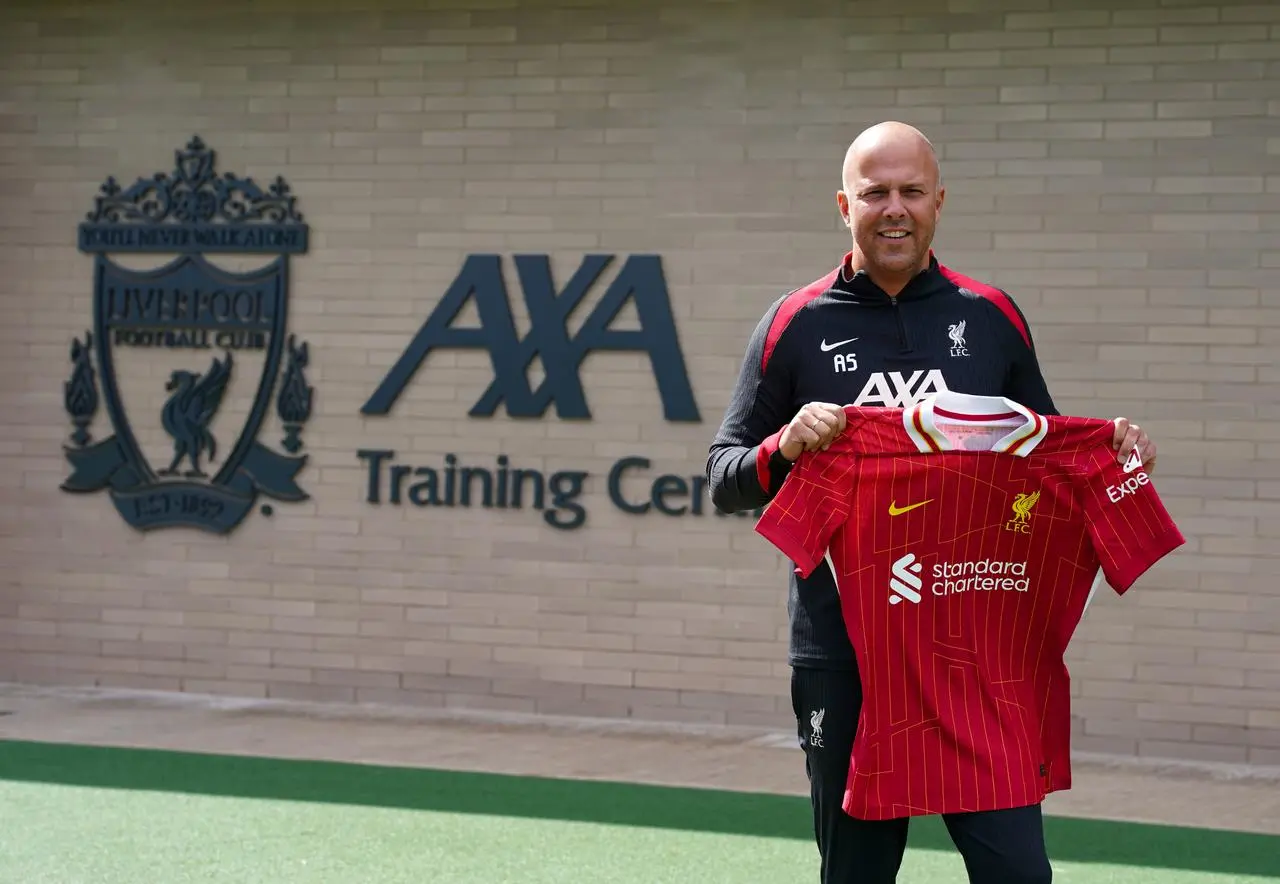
(998,847)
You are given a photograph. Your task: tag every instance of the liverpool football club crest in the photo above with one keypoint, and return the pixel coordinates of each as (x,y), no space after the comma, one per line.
(194,361)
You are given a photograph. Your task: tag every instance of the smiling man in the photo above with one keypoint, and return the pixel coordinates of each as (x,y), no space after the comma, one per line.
(887,327)
(891,201)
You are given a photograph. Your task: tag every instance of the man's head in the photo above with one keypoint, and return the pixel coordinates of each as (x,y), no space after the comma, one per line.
(891,200)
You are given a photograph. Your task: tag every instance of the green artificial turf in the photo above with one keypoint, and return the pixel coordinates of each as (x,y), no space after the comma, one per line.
(88,815)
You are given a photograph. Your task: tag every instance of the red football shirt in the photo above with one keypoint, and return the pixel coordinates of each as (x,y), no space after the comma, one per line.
(965,534)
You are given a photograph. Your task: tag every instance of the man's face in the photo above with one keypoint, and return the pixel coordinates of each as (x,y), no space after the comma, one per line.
(891,205)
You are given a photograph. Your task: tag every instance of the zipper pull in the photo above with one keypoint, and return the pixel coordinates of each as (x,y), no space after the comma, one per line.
(902,329)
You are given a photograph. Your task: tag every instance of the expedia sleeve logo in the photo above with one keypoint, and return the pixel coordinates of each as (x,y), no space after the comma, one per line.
(1135,478)
(197,347)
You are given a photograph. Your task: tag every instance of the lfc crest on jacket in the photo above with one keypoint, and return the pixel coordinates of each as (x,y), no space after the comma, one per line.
(190,358)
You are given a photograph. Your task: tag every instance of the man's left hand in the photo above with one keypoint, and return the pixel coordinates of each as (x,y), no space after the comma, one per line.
(1128,436)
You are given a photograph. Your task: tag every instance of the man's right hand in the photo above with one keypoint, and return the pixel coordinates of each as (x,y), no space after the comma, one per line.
(815,426)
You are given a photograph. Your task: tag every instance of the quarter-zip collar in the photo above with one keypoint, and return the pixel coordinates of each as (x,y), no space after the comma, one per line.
(859,288)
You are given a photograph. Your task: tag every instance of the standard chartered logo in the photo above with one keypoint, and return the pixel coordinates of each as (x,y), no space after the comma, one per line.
(954,578)
(905,582)
(985,574)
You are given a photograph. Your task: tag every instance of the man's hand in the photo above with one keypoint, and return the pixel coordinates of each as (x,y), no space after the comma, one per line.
(813,427)
(1128,436)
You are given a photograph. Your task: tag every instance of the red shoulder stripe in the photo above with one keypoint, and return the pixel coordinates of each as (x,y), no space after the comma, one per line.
(992,294)
(787,311)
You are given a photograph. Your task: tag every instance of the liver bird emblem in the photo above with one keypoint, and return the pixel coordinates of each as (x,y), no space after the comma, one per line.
(956,333)
(815,722)
(187,414)
(1022,504)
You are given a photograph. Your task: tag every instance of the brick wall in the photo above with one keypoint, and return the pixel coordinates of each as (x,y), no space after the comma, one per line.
(1116,167)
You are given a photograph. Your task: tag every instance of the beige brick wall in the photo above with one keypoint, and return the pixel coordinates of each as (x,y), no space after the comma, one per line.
(1116,167)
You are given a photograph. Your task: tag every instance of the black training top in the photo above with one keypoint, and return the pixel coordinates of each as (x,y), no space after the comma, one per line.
(843,340)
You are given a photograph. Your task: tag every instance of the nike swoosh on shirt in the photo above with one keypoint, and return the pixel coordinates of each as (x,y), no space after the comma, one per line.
(895,510)
(825,346)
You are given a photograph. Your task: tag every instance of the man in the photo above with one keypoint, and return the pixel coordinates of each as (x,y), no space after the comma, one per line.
(887,327)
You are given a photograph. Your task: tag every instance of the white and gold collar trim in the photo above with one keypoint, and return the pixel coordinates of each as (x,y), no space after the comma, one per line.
(921,422)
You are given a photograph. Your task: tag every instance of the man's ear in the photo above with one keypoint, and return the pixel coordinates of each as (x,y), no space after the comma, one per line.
(842,201)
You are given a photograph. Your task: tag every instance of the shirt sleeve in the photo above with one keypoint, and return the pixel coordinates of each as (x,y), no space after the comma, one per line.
(744,466)
(1128,524)
(811,505)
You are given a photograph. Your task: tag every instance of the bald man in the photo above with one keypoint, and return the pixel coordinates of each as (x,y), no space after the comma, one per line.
(887,327)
